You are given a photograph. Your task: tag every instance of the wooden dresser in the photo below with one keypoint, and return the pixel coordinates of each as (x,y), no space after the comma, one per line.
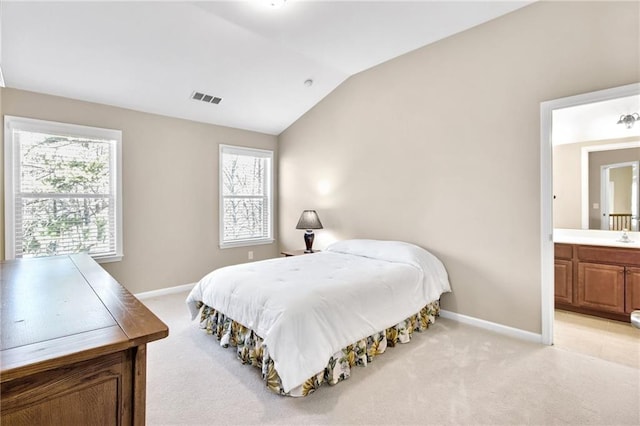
(597,280)
(73,345)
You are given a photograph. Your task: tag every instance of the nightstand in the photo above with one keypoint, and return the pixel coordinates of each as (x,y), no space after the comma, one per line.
(290,253)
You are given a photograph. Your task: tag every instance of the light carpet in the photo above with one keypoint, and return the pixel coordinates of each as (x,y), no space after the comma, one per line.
(450,374)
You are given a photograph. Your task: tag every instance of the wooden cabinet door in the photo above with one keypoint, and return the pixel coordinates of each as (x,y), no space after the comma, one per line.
(601,287)
(97,392)
(563,277)
(632,298)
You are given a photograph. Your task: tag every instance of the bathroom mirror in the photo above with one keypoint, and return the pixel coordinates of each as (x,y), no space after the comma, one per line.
(595,166)
(616,192)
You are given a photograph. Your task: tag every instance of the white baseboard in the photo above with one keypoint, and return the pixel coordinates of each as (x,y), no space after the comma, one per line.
(476,322)
(492,326)
(164,291)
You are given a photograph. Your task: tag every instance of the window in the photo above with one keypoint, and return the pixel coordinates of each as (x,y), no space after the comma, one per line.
(246,203)
(63,190)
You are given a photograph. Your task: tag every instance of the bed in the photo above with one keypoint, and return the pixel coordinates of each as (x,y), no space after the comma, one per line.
(307,320)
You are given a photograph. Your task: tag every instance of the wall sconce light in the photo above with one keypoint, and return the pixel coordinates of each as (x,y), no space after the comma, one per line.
(629,119)
(309,220)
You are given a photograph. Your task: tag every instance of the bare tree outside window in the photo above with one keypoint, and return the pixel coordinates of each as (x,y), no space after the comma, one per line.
(63,189)
(246,204)
(64,195)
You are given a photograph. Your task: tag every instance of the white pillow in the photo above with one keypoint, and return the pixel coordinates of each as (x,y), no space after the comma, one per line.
(434,275)
(392,251)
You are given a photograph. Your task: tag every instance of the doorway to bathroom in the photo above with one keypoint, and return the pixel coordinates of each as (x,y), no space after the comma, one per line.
(579,134)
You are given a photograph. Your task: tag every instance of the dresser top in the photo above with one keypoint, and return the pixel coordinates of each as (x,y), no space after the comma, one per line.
(63,308)
(46,300)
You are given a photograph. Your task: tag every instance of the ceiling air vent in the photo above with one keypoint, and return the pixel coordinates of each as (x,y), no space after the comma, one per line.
(210,99)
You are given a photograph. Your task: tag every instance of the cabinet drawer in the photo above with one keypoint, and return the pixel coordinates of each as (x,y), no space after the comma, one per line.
(601,287)
(622,256)
(563,251)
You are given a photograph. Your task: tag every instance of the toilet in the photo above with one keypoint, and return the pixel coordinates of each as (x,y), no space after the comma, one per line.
(635,319)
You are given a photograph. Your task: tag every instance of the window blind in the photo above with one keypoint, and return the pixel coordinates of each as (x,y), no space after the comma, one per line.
(246,203)
(65,190)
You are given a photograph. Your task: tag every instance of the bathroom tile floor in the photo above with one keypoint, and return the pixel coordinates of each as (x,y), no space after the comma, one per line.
(599,337)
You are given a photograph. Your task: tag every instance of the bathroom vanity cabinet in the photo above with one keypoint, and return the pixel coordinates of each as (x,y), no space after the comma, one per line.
(597,280)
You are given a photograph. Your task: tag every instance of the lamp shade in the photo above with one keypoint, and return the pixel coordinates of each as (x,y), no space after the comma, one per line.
(309,220)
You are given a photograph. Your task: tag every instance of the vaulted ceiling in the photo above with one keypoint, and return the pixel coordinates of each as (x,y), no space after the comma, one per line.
(151,56)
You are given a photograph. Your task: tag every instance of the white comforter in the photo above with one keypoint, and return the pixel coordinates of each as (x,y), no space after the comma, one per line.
(306,308)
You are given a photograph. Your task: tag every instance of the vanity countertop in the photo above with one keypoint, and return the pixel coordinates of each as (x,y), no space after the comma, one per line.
(595,238)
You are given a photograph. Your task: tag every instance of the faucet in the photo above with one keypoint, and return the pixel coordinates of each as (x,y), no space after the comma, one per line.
(625,236)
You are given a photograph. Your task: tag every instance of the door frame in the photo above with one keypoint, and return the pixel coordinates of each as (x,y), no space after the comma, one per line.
(546,193)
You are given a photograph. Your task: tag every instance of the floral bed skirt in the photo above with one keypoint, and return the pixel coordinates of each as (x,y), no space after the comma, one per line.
(251,350)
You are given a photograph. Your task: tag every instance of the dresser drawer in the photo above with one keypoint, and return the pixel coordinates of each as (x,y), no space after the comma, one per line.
(630,257)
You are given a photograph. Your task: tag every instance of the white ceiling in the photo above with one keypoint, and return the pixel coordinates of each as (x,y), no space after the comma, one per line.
(150,56)
(595,121)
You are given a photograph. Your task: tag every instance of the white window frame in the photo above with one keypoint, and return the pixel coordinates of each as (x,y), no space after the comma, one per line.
(63,129)
(255,152)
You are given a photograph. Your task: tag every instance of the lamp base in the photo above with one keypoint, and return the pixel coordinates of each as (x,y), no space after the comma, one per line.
(308,240)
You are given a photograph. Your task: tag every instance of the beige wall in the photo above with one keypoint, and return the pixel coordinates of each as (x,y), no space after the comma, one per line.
(566,186)
(567,177)
(441,147)
(1,179)
(170,188)
(622,179)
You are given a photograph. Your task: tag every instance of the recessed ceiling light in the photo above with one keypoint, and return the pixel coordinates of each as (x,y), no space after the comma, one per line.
(308,82)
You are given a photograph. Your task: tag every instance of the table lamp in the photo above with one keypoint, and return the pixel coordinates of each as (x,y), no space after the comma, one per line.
(309,220)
